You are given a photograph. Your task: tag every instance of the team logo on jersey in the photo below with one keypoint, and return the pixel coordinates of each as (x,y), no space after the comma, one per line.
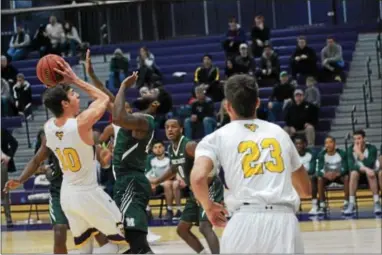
(60,135)
(251,127)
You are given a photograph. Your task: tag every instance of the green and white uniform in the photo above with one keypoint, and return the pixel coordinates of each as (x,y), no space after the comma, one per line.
(192,212)
(334,163)
(132,189)
(308,161)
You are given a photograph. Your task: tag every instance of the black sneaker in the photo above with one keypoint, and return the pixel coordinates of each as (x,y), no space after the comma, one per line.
(178,214)
(169,215)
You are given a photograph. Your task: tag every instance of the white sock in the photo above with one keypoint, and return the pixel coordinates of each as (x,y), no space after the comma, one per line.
(314,202)
(376,198)
(169,208)
(148,208)
(108,248)
(322,204)
(352,199)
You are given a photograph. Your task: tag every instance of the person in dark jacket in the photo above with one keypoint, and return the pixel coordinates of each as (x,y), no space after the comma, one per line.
(304,60)
(18,46)
(244,63)
(41,41)
(301,118)
(8,71)
(233,38)
(22,92)
(260,36)
(9,147)
(229,71)
(282,95)
(119,69)
(269,66)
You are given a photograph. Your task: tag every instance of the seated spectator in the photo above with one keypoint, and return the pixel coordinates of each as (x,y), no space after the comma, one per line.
(309,162)
(148,71)
(72,39)
(303,60)
(119,69)
(156,167)
(282,95)
(208,74)
(332,60)
(202,112)
(260,36)
(55,33)
(332,167)
(22,92)
(8,71)
(312,94)
(222,116)
(41,41)
(301,118)
(9,146)
(362,158)
(269,67)
(244,63)
(5,201)
(229,71)
(7,106)
(18,46)
(233,38)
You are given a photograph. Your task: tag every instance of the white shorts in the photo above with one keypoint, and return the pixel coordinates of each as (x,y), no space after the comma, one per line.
(254,229)
(90,212)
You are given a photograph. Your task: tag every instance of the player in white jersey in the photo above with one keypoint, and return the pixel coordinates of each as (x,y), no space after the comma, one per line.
(261,166)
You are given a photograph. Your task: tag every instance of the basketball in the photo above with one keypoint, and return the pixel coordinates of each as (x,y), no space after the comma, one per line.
(45,70)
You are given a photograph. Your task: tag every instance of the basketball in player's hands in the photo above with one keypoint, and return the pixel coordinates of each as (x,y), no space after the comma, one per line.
(45,70)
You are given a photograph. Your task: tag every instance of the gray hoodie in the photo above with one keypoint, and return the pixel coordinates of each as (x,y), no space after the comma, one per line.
(313,96)
(332,53)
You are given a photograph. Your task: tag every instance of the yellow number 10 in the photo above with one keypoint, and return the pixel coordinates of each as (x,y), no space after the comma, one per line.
(69,159)
(252,153)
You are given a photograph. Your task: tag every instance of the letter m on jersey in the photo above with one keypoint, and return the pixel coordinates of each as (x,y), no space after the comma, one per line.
(130,222)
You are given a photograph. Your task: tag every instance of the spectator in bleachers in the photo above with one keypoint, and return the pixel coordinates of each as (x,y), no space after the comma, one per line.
(301,118)
(244,63)
(332,60)
(233,38)
(269,68)
(55,32)
(303,60)
(362,158)
(156,167)
(22,92)
(308,160)
(332,167)
(18,46)
(202,112)
(222,116)
(7,106)
(8,71)
(148,70)
(260,36)
(229,71)
(312,94)
(209,75)
(41,41)
(9,146)
(72,38)
(282,95)
(119,69)
(5,201)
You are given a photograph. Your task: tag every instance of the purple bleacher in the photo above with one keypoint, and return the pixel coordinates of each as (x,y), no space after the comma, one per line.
(33,62)
(11,122)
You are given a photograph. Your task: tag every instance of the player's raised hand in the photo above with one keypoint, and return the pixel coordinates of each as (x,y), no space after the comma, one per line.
(130,81)
(216,214)
(66,72)
(11,184)
(88,63)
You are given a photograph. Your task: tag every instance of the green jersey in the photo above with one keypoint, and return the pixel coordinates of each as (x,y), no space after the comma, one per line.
(129,153)
(180,159)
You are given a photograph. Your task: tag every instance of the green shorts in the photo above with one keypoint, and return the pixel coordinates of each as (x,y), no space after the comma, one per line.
(57,215)
(132,194)
(193,213)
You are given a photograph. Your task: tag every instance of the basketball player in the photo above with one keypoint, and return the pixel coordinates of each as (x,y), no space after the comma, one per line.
(87,207)
(181,153)
(261,166)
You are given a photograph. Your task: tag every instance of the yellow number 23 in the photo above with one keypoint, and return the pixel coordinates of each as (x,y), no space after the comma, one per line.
(69,159)
(252,153)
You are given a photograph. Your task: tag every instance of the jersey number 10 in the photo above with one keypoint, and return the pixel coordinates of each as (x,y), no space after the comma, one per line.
(69,159)
(252,153)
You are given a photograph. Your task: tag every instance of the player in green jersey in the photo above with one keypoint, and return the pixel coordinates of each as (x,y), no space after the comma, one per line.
(181,153)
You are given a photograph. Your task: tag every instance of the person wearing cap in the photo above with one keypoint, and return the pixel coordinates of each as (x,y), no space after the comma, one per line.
(260,36)
(304,59)
(301,118)
(119,68)
(22,92)
(269,66)
(282,95)
(233,38)
(244,63)
(18,45)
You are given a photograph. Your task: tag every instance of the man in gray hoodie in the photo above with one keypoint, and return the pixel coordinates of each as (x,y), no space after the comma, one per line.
(331,59)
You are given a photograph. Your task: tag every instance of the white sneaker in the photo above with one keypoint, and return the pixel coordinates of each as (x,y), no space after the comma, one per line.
(152,238)
(377,208)
(313,211)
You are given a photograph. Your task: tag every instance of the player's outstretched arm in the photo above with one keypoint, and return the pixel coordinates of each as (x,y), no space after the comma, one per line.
(31,168)
(301,182)
(170,173)
(120,116)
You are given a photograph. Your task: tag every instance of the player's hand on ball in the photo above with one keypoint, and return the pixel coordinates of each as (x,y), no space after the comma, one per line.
(66,72)
(216,214)
(11,184)
(130,81)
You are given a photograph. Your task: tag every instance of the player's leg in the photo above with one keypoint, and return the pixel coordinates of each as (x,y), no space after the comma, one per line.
(353,185)
(169,196)
(59,221)
(190,215)
(380,179)
(321,189)
(205,227)
(373,184)
(177,185)
(345,181)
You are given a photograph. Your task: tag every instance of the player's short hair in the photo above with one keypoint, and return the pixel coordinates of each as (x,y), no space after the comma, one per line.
(157,142)
(331,137)
(360,132)
(180,123)
(53,97)
(300,137)
(242,92)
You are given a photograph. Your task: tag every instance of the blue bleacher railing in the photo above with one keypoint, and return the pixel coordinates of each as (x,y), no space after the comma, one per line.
(28,112)
(347,139)
(369,73)
(353,119)
(378,54)
(365,96)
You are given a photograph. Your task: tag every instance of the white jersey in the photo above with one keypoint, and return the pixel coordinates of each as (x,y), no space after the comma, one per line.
(258,159)
(77,159)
